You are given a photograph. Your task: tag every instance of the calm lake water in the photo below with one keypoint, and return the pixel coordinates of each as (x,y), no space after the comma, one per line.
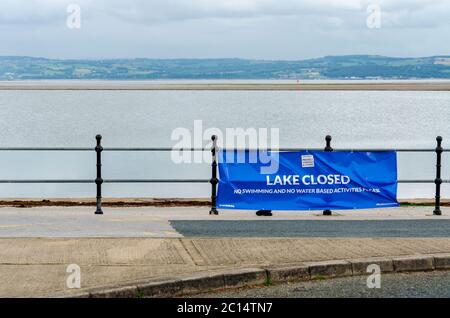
(147,118)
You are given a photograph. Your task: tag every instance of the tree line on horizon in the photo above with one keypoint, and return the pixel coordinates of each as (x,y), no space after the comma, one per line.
(329,67)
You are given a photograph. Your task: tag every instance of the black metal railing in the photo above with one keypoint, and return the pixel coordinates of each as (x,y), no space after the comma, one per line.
(214,180)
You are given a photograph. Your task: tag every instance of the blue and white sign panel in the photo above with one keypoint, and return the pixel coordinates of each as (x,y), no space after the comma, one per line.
(313,180)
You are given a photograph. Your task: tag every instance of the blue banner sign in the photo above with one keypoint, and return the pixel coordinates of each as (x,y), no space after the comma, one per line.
(310,180)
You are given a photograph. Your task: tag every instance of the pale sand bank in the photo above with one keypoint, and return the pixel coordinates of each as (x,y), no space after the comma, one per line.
(320,86)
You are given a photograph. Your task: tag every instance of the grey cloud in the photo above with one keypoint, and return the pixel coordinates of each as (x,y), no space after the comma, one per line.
(223,28)
(175,10)
(31,12)
(397,12)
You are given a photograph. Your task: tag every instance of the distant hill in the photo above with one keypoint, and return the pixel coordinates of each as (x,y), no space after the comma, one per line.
(329,67)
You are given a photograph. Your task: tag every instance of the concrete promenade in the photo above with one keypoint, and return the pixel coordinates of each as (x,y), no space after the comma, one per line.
(126,246)
(162,222)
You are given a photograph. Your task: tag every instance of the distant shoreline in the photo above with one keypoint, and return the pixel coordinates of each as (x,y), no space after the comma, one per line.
(149,86)
(224,86)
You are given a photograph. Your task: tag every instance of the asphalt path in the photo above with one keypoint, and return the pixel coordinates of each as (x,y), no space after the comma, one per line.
(411,285)
(311,228)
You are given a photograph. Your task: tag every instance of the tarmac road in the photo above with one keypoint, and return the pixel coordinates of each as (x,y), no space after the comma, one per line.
(411,285)
(311,228)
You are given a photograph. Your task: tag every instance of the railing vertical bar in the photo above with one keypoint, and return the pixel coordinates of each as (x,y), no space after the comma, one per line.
(328,147)
(438,181)
(99,180)
(214,181)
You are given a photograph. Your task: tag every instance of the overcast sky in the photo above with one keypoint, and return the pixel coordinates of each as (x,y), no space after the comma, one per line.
(261,29)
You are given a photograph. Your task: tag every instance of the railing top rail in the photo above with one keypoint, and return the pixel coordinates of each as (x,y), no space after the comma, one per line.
(342,149)
(47,149)
(19,181)
(168,149)
(56,181)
